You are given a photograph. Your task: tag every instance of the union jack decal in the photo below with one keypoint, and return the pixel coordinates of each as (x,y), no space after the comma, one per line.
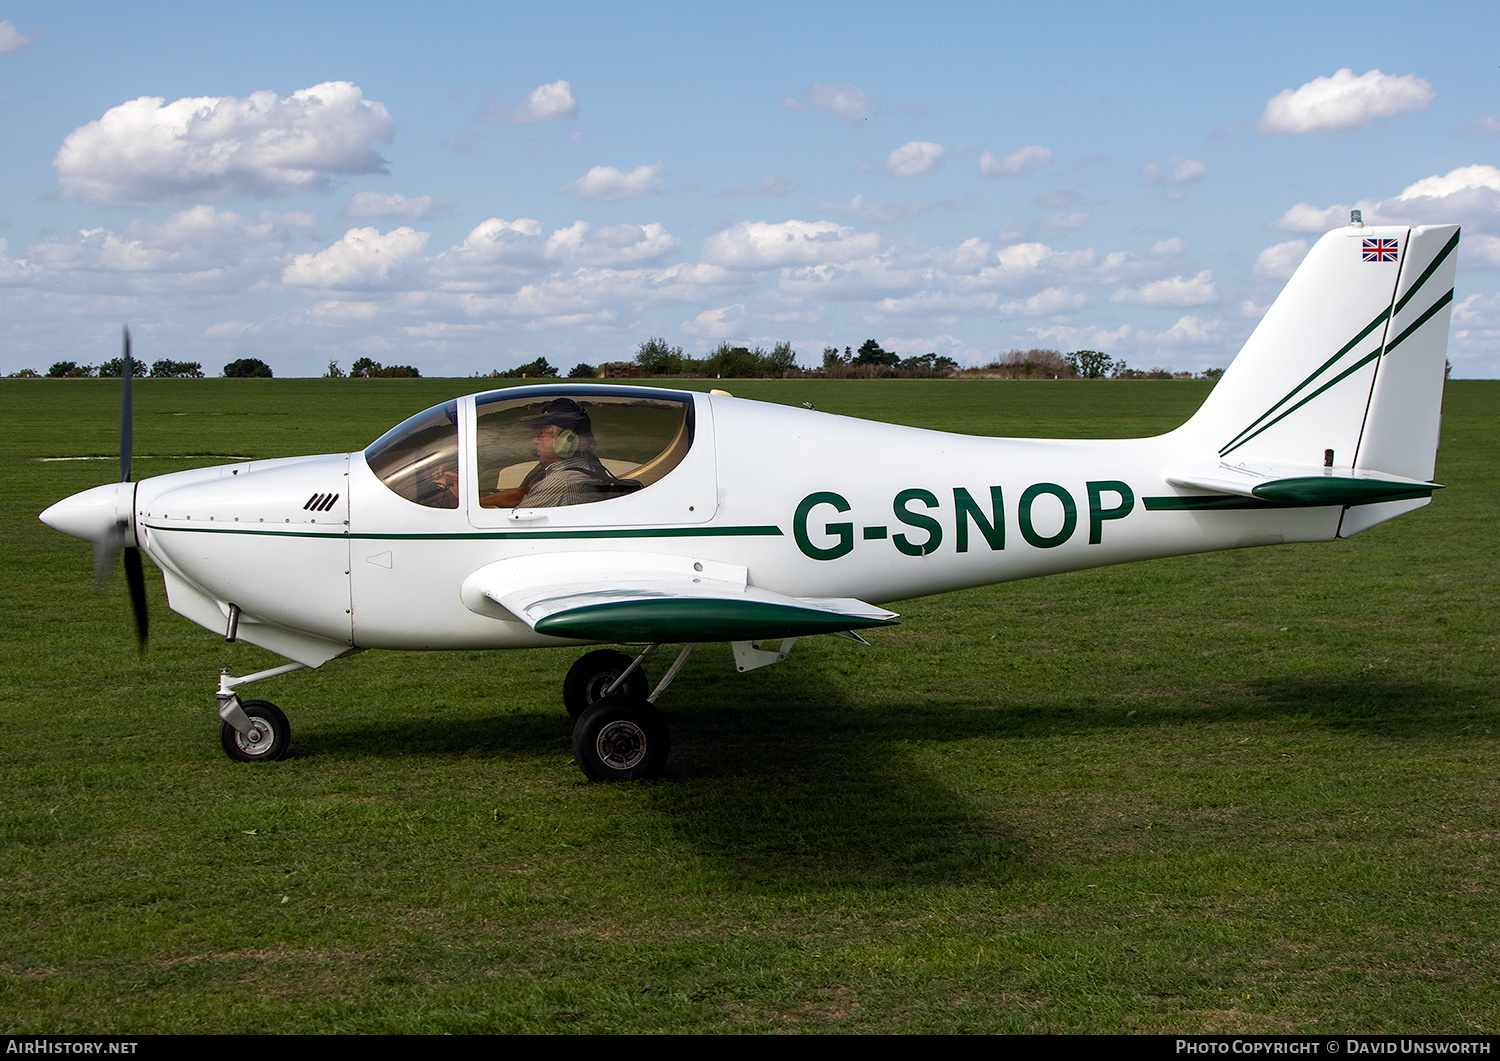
(1379,250)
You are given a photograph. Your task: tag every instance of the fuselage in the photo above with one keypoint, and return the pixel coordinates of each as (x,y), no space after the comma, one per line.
(321,556)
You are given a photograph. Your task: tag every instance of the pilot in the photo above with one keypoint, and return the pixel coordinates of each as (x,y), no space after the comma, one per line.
(567,470)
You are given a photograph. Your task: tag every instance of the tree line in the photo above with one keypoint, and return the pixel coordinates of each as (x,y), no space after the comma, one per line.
(656,358)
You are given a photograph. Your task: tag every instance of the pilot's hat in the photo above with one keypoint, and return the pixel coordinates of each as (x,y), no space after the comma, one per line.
(564,413)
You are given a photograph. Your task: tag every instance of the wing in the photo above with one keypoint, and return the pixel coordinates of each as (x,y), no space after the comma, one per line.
(648,597)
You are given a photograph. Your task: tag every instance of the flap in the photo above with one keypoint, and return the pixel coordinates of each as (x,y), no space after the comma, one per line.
(1303,485)
(650,597)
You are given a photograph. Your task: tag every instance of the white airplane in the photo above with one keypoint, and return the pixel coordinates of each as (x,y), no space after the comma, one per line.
(568,514)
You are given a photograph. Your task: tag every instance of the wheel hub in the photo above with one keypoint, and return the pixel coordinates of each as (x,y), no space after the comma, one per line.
(259,740)
(622,744)
(599,685)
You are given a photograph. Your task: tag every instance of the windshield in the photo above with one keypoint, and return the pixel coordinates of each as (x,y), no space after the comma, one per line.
(418,458)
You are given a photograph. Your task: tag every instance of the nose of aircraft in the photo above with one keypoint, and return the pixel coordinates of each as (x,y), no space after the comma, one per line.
(91,514)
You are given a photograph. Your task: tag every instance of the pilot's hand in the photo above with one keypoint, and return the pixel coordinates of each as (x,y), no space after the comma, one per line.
(508,498)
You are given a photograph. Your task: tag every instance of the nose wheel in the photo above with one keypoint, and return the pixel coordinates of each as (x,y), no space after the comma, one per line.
(264,740)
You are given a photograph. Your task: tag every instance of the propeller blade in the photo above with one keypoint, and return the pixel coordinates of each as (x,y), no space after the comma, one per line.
(106,549)
(127,371)
(135,579)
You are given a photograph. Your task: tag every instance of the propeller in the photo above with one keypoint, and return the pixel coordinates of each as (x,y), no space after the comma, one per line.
(113,543)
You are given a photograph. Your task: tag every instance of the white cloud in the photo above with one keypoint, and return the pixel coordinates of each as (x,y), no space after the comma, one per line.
(362,259)
(233,329)
(615,245)
(844,100)
(1480,252)
(1487,124)
(1027,160)
(545,103)
(860,210)
(766,186)
(1305,217)
(914,158)
(198,249)
(1253,309)
(1180,170)
(1052,300)
(1191,330)
(1173,291)
(396,206)
(491,243)
(145,151)
(1469,195)
(1053,223)
(605,184)
(13,270)
(1477,311)
(718,323)
(1084,338)
(767,244)
(1168,248)
(12,39)
(1343,102)
(1281,261)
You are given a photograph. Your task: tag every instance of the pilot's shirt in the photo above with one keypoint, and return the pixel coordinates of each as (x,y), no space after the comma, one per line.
(567,482)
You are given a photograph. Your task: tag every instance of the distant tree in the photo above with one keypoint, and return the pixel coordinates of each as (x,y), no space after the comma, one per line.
(396,372)
(655,357)
(538,369)
(832,358)
(25,373)
(870,353)
(735,362)
(582,370)
(781,359)
(116,365)
(927,365)
(1211,373)
(247,368)
(334,372)
(1091,364)
(69,370)
(364,367)
(166,369)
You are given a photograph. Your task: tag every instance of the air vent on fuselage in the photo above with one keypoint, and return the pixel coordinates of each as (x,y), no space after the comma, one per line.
(320,502)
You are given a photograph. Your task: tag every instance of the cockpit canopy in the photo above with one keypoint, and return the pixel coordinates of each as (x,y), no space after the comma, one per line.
(539,447)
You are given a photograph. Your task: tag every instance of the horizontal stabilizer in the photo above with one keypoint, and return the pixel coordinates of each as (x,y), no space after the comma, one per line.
(648,597)
(1303,485)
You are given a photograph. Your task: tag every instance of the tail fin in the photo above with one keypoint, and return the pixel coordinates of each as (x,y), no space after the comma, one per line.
(1350,359)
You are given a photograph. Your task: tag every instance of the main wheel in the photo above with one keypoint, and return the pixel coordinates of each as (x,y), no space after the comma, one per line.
(621,738)
(595,672)
(268,737)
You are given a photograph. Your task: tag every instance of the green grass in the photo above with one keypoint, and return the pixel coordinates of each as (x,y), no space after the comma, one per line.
(1252,791)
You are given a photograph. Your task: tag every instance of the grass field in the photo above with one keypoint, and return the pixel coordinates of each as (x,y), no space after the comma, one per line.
(1253,791)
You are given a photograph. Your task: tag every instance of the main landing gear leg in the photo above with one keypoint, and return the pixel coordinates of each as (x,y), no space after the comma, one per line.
(621,736)
(253,731)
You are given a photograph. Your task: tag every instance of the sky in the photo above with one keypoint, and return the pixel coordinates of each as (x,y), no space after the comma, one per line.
(467,187)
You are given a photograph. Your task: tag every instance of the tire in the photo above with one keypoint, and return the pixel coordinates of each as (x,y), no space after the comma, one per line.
(595,672)
(273,734)
(621,738)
